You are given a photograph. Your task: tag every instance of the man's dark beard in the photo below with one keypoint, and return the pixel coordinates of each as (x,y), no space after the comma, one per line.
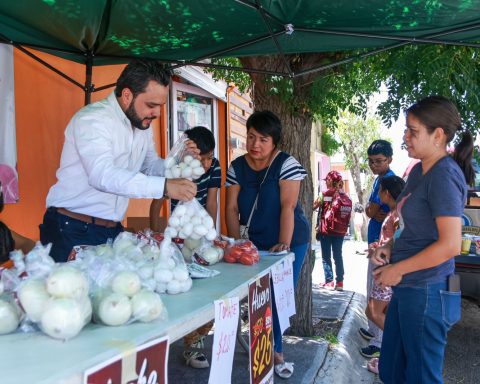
(134,118)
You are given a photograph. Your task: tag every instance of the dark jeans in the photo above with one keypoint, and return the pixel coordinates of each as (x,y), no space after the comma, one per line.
(65,232)
(329,244)
(415,335)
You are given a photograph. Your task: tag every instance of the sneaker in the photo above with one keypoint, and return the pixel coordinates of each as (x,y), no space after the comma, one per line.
(196,359)
(365,334)
(370,351)
(328,285)
(339,286)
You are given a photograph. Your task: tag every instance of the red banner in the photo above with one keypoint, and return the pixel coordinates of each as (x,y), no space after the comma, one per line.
(261,330)
(145,364)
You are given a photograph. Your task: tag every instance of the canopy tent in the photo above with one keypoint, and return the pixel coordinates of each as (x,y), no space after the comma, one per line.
(186,32)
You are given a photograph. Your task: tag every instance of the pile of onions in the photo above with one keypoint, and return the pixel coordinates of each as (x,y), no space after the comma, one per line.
(188,168)
(191,221)
(60,304)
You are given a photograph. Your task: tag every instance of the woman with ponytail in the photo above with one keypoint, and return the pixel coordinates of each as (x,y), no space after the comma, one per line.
(419,266)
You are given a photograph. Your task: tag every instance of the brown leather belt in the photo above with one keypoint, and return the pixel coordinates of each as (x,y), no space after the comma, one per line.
(88,219)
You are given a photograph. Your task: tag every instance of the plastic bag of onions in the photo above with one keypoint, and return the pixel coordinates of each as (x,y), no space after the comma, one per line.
(189,220)
(170,271)
(59,305)
(182,164)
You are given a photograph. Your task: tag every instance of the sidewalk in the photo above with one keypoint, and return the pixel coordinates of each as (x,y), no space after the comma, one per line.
(314,361)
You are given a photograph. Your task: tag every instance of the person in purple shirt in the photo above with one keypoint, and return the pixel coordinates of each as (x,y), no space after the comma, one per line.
(419,265)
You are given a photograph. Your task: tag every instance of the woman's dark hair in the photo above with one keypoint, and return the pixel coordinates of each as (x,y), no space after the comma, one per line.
(138,73)
(393,184)
(266,123)
(203,137)
(380,147)
(439,112)
(7,244)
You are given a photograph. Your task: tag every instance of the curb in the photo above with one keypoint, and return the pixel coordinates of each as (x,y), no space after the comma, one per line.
(343,363)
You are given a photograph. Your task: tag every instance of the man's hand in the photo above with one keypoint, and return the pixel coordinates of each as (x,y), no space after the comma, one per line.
(192,149)
(180,189)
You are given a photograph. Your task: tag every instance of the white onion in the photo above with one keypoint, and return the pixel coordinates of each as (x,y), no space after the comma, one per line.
(9,318)
(198,171)
(187,254)
(145,272)
(207,221)
(196,220)
(147,306)
(182,234)
(67,281)
(195,163)
(200,230)
(195,236)
(173,287)
(161,287)
(187,229)
(171,263)
(122,243)
(114,309)
(174,221)
(179,210)
(185,285)
(191,243)
(163,275)
(126,282)
(104,250)
(33,296)
(62,318)
(149,284)
(170,232)
(187,159)
(176,172)
(180,273)
(211,234)
(187,172)
(210,255)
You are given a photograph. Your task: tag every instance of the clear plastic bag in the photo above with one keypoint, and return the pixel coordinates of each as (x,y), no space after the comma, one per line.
(207,253)
(189,220)
(241,251)
(180,162)
(10,314)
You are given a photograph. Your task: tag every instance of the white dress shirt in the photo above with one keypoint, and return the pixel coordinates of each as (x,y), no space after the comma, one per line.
(105,162)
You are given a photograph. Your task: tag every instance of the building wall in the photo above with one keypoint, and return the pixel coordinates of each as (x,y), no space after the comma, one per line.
(44,103)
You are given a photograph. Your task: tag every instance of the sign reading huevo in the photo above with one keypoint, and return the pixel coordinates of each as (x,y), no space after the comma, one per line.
(261,330)
(146,364)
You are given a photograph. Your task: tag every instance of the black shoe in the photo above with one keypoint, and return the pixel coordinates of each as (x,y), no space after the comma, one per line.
(365,334)
(370,351)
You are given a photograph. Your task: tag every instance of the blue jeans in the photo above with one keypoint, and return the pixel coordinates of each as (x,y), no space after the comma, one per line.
(65,232)
(415,335)
(300,251)
(329,244)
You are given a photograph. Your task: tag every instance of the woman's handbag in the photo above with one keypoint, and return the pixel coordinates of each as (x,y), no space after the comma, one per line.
(244,228)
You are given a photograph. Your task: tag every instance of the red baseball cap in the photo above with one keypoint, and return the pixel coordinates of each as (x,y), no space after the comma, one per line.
(334,176)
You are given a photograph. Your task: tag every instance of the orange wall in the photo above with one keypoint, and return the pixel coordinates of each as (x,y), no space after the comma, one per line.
(44,104)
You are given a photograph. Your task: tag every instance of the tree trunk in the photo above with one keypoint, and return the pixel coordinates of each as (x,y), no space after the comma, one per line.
(296,138)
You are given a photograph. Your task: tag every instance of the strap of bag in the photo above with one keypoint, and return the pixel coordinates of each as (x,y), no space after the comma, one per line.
(258,194)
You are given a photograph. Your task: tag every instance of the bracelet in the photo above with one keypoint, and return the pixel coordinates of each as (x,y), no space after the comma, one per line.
(165,194)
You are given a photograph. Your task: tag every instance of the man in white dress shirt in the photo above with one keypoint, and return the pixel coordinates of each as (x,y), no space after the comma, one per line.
(108,157)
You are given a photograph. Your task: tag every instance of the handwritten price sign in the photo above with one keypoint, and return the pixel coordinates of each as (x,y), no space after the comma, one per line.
(226,323)
(261,331)
(146,364)
(282,277)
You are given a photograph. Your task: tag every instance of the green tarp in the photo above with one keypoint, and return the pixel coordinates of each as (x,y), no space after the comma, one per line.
(115,30)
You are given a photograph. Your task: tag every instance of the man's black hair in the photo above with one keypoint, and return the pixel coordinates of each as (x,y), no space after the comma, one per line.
(266,123)
(393,184)
(203,137)
(138,73)
(380,147)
